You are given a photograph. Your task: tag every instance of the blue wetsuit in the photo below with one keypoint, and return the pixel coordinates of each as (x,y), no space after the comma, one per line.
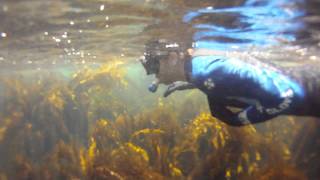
(262,91)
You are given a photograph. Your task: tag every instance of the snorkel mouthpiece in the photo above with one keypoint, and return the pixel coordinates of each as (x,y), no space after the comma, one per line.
(154,86)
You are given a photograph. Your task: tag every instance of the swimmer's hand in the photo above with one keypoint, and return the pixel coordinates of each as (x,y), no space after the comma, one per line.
(178,85)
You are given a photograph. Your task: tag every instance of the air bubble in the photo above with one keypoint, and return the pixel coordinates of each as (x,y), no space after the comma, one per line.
(313,57)
(102,7)
(3,34)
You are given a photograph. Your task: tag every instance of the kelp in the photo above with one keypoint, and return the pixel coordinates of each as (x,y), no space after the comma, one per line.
(82,129)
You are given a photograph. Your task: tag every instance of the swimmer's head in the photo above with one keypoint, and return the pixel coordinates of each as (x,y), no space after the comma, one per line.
(159,50)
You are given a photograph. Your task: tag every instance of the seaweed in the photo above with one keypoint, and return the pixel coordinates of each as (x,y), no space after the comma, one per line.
(82,128)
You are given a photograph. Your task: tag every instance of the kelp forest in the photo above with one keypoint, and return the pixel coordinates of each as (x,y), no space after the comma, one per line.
(99,124)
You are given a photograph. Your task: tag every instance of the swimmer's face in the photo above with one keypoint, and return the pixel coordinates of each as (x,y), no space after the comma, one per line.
(175,57)
(171,60)
(178,56)
(171,68)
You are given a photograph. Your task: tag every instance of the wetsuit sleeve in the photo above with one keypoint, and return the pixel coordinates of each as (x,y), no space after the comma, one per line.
(220,111)
(251,114)
(225,115)
(259,113)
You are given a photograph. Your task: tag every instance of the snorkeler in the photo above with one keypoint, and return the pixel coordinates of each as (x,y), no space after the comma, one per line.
(261,91)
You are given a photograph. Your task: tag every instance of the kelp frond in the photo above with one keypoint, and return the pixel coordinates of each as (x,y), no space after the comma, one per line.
(82,129)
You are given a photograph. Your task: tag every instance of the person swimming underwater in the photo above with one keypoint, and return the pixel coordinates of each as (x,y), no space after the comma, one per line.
(260,90)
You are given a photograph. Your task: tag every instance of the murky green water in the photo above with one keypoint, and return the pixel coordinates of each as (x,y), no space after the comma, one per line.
(74,102)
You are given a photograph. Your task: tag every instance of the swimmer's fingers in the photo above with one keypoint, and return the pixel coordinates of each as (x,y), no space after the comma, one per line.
(171,88)
(178,85)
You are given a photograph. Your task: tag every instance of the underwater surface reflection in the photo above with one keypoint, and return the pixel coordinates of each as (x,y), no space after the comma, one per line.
(75,105)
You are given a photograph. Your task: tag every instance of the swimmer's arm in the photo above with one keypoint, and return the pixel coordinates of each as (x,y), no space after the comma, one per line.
(266,110)
(250,115)
(247,116)
(224,114)
(178,85)
(221,112)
